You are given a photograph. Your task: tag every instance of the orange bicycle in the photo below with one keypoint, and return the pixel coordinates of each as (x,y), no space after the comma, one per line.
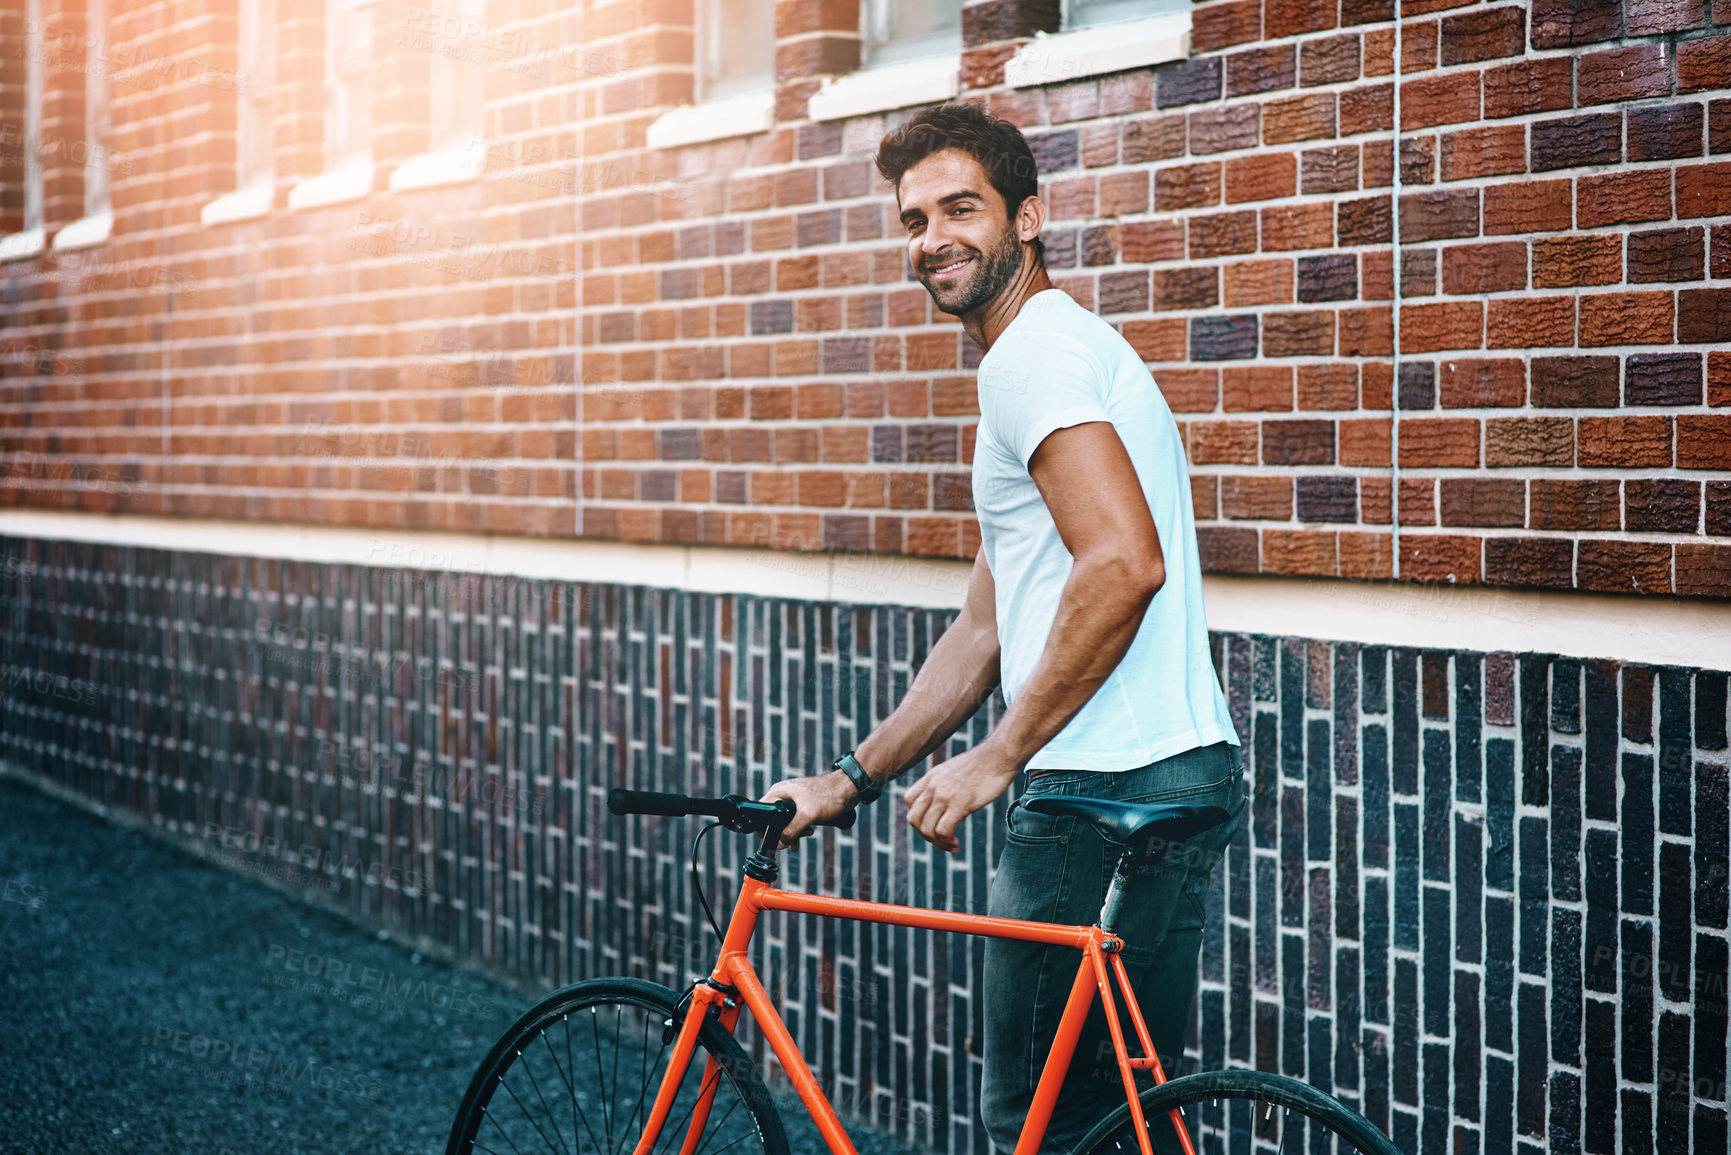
(610,1066)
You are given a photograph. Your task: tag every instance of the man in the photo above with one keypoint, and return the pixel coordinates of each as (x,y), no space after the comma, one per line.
(1085,602)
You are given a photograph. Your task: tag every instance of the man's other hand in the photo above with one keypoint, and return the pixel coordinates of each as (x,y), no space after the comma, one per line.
(956,788)
(819,798)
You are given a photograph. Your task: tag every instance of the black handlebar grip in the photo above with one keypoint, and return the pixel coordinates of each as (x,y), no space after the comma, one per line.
(845,822)
(623,801)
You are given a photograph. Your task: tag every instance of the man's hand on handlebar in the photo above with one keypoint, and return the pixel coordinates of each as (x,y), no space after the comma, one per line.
(820,798)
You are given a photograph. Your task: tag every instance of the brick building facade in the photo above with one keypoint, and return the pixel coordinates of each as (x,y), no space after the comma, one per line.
(504,277)
(752,366)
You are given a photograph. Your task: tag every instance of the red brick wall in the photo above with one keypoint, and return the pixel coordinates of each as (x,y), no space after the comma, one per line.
(752,365)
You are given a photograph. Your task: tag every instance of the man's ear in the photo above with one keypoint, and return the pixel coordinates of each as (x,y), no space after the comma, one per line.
(1030,218)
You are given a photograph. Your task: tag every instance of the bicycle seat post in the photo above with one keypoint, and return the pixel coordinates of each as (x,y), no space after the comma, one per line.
(1114,903)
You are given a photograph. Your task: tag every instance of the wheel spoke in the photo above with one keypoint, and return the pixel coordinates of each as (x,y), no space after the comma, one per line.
(596,1115)
(570,1086)
(526,1115)
(536,1083)
(714,1129)
(643,1091)
(500,1127)
(702,1089)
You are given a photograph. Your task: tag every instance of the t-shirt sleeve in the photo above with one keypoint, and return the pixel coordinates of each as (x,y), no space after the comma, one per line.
(1052,384)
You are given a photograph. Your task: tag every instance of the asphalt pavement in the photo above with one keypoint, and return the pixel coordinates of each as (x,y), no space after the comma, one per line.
(153,1002)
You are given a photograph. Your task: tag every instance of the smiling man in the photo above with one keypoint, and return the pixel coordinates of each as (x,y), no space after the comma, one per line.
(1085,605)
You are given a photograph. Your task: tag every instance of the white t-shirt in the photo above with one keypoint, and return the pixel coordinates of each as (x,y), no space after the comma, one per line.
(1058,365)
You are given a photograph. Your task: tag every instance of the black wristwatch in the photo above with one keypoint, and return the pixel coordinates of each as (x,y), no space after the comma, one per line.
(862,782)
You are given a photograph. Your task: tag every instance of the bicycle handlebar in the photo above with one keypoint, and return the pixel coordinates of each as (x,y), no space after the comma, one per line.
(735,811)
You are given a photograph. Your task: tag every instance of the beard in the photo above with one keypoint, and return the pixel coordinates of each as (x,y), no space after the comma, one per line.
(988,271)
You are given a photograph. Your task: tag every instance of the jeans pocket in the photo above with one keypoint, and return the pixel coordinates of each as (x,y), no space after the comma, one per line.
(1029,826)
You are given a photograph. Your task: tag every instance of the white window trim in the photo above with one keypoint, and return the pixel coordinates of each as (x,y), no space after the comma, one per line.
(432,169)
(22,245)
(742,115)
(86,232)
(929,81)
(1095,51)
(332,188)
(245,204)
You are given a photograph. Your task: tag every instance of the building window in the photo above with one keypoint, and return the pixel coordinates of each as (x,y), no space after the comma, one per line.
(735,47)
(32,141)
(349,83)
(255,146)
(96,123)
(1093,13)
(456,86)
(893,31)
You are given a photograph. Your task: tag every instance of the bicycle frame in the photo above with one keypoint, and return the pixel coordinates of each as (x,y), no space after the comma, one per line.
(733,971)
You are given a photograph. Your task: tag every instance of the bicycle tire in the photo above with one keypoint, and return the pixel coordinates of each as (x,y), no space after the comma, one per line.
(1235,1111)
(602,1110)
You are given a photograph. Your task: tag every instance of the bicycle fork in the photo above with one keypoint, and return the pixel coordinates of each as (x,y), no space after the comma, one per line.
(703,997)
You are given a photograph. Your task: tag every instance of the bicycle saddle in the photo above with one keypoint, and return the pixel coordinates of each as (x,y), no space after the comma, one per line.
(1158,825)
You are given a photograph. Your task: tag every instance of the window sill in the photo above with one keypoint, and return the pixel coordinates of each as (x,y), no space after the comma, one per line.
(891,86)
(740,115)
(247,204)
(432,169)
(84,233)
(21,246)
(1095,51)
(332,188)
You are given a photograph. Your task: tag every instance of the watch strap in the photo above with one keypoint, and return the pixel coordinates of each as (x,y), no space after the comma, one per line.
(862,782)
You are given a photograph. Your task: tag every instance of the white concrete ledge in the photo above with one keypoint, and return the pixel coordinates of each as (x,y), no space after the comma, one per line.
(1051,59)
(1656,630)
(891,86)
(433,169)
(245,205)
(23,245)
(85,233)
(332,188)
(742,115)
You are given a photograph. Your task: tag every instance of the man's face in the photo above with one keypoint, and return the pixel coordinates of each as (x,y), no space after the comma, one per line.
(962,243)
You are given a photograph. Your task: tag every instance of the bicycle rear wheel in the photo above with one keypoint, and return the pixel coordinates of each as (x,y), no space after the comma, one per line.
(578,1075)
(1241,1111)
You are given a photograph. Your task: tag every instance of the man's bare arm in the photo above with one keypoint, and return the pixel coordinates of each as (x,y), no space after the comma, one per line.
(1089,484)
(957,675)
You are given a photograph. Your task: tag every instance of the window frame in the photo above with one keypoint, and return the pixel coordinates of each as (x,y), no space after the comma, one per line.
(880,51)
(706,48)
(255,113)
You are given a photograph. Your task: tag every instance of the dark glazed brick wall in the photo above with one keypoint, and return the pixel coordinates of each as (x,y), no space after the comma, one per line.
(1480,896)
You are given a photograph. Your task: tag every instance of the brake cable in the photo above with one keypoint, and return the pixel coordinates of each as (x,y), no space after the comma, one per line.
(697,883)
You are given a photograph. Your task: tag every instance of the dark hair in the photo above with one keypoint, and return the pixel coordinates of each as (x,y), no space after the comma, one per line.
(997,145)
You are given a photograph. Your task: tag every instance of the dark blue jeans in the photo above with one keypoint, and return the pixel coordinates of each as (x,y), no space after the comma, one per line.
(1057,870)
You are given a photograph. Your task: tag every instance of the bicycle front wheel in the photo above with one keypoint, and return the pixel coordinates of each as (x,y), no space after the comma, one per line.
(579,1073)
(1241,1111)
